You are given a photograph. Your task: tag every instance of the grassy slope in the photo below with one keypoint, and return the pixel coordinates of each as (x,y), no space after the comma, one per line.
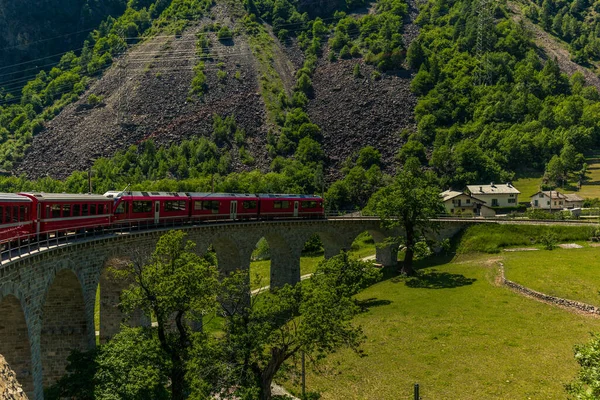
(476,341)
(591,189)
(567,273)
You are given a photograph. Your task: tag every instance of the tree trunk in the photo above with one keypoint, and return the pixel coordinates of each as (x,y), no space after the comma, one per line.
(407,265)
(278,356)
(177,380)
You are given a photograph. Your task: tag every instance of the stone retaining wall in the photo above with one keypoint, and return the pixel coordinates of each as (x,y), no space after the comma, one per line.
(572,304)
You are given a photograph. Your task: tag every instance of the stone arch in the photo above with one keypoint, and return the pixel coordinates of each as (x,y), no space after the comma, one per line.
(14,338)
(64,324)
(285,251)
(111,287)
(229,257)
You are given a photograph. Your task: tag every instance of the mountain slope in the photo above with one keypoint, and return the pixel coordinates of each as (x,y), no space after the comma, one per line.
(146,96)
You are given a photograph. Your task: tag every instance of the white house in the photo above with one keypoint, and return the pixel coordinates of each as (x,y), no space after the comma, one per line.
(500,195)
(554,200)
(462,203)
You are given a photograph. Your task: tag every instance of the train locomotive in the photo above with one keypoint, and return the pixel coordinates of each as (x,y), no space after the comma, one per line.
(26,216)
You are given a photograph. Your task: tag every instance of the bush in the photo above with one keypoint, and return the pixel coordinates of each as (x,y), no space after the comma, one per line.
(94,100)
(548,240)
(224,33)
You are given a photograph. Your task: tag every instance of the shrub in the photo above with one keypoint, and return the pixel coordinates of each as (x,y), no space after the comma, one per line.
(356,71)
(224,33)
(94,100)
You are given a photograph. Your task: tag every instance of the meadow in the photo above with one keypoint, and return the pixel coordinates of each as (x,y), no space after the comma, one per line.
(459,335)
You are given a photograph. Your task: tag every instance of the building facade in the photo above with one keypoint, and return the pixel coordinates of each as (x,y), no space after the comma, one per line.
(462,203)
(496,195)
(554,200)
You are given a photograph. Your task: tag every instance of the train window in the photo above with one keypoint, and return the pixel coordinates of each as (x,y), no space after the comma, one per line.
(85,210)
(55,210)
(1,214)
(197,205)
(212,205)
(122,208)
(142,206)
(76,210)
(174,205)
(66,210)
(92,209)
(309,204)
(249,204)
(7,215)
(15,214)
(100,209)
(23,213)
(281,204)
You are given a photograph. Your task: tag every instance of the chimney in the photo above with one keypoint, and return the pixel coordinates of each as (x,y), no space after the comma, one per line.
(481,189)
(508,184)
(492,184)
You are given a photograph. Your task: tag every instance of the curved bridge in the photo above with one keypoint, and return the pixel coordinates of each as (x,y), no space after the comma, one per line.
(48,293)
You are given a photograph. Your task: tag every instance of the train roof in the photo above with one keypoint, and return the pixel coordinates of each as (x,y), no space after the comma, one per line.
(288,196)
(11,197)
(116,194)
(65,197)
(236,195)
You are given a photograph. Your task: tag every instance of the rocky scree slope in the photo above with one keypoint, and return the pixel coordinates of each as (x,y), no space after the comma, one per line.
(146,95)
(10,389)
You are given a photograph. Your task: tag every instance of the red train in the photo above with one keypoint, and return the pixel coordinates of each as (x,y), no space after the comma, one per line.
(30,215)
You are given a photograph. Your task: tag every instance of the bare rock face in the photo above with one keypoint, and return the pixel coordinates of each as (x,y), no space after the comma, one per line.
(10,389)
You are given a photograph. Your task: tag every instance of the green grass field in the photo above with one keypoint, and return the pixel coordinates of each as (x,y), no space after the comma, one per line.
(590,189)
(459,336)
(569,273)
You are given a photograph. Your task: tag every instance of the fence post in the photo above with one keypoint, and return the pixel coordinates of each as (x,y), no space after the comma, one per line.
(417,392)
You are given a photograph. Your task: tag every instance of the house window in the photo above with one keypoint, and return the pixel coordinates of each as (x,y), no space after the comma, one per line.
(548,203)
(494,202)
(468,201)
(512,201)
(541,195)
(535,203)
(511,195)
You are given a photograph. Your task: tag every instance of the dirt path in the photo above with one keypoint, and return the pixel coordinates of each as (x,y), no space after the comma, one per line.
(552,48)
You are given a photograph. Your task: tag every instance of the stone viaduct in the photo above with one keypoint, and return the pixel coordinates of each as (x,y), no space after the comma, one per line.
(48,296)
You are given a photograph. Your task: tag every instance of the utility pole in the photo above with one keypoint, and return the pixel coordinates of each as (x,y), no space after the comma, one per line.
(485,24)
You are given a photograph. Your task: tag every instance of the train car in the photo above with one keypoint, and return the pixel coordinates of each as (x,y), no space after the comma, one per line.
(149,207)
(16,217)
(64,212)
(290,206)
(233,206)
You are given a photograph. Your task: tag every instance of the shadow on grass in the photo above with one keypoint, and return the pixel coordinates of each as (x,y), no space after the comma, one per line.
(367,304)
(438,280)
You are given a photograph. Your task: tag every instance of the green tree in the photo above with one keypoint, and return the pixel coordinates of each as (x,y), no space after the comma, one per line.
(175,286)
(409,203)
(263,332)
(555,171)
(586,385)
